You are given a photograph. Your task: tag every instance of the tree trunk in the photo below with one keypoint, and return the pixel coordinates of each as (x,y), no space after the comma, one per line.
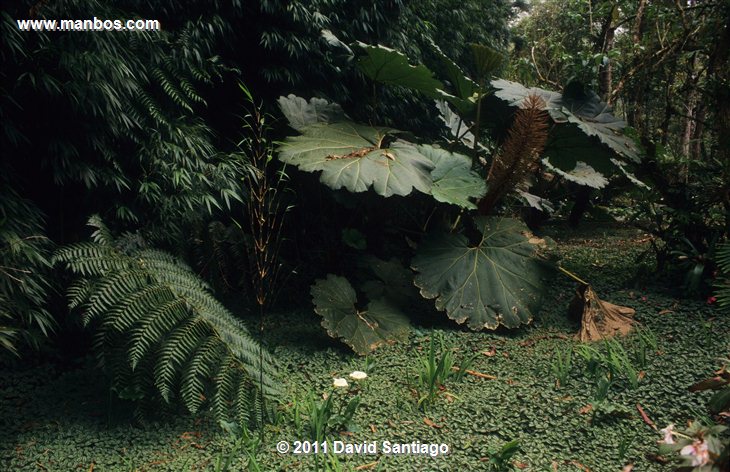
(719,70)
(633,113)
(691,106)
(603,46)
(698,134)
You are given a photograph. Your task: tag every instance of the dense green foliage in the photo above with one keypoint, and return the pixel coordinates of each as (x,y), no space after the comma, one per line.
(663,65)
(487,280)
(98,96)
(158,328)
(420,155)
(24,272)
(103,123)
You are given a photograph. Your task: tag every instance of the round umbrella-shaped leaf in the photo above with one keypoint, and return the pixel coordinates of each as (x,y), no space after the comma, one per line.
(389,66)
(334,299)
(356,157)
(453,180)
(496,280)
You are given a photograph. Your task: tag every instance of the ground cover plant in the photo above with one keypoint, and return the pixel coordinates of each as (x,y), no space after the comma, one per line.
(332,235)
(70,423)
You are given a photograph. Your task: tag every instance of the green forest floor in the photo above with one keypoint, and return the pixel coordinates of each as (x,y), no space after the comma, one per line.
(65,419)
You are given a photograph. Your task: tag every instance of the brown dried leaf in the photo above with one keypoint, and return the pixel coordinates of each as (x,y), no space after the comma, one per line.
(491,353)
(713,383)
(600,319)
(586,409)
(432,424)
(580,466)
(368,466)
(645,417)
(476,374)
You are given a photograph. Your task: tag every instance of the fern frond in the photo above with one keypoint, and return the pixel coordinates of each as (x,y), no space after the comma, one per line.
(196,373)
(722,257)
(78,292)
(101,235)
(153,327)
(90,259)
(182,341)
(160,329)
(722,283)
(225,385)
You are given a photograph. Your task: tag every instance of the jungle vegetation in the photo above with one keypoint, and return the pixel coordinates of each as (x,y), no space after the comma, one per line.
(385,164)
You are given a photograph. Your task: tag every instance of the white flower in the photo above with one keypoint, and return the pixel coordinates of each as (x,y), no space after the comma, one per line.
(668,431)
(339,382)
(698,449)
(358,375)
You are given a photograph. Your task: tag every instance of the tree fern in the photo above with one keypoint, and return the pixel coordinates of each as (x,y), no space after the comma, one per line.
(161,332)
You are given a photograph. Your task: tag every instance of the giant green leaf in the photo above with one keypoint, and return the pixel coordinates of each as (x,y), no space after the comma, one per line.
(581,117)
(494,280)
(582,174)
(514,93)
(567,145)
(596,118)
(464,89)
(457,126)
(301,113)
(389,66)
(357,157)
(487,61)
(334,299)
(453,180)
(393,281)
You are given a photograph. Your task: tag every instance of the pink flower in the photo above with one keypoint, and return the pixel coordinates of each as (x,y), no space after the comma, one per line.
(699,452)
(668,431)
(711,300)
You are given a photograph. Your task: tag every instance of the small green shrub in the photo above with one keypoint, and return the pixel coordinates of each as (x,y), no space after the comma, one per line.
(435,368)
(645,342)
(500,460)
(562,365)
(609,360)
(334,412)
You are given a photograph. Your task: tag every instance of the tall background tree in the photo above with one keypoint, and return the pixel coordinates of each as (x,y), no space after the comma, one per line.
(664,67)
